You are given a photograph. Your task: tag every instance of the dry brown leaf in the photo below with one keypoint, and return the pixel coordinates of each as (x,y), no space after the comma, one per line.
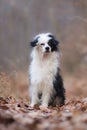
(18,115)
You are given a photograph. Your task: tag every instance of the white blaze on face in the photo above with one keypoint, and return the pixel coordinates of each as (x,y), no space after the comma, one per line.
(44,39)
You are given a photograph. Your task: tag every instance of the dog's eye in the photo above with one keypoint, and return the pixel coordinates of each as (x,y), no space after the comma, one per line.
(49,43)
(42,44)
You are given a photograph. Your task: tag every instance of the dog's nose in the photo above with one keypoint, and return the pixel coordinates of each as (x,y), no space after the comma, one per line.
(47,48)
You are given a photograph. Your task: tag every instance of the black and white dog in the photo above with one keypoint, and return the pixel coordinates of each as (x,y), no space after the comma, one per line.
(46,84)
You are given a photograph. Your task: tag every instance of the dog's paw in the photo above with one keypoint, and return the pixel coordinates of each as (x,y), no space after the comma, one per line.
(44,109)
(32,105)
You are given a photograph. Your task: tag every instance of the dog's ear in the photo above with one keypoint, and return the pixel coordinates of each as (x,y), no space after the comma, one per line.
(53,40)
(56,42)
(34,42)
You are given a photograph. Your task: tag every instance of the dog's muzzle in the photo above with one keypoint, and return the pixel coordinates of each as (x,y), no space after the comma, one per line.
(47,49)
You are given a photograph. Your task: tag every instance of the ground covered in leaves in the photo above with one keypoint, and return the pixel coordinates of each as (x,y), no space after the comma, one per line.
(17,115)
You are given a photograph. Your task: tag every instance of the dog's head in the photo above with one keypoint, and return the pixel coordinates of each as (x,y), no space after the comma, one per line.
(45,42)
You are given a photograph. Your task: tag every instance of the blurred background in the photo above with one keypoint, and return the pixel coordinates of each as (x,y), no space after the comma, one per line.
(21,20)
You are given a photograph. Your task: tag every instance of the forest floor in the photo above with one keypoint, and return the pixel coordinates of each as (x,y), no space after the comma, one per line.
(16,114)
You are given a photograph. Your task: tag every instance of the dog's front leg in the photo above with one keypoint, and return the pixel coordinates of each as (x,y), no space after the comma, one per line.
(33,96)
(45,101)
(46,96)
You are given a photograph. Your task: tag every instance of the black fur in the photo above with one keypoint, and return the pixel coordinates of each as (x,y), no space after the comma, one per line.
(50,35)
(54,44)
(33,43)
(59,88)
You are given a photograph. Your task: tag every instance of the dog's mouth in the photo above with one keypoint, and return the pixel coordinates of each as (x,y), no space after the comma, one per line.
(47,51)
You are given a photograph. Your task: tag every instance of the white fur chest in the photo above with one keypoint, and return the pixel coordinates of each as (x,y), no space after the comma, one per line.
(43,70)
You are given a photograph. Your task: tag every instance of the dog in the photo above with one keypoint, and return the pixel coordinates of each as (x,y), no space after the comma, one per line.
(46,83)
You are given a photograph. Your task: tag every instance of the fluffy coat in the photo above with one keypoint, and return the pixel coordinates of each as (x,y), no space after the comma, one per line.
(46,84)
